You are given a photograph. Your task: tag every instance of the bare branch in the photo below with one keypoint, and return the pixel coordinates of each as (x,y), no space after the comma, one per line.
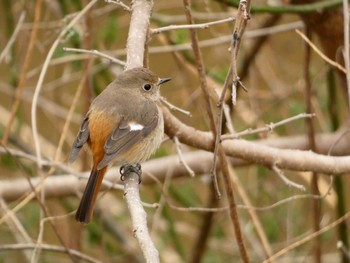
(48,247)
(139,217)
(308,238)
(12,40)
(182,161)
(96,53)
(120,3)
(139,23)
(174,108)
(262,154)
(193,26)
(268,128)
(317,50)
(288,182)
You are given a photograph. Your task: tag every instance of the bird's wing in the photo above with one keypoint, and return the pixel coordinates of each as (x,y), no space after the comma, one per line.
(81,139)
(124,136)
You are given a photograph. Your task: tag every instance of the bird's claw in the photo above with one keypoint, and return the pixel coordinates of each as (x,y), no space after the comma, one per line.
(134,168)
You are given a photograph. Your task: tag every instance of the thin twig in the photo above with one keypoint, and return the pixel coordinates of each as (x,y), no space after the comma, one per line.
(323,56)
(167,19)
(288,182)
(217,141)
(13,38)
(175,108)
(268,128)
(120,3)
(192,26)
(49,247)
(96,53)
(181,159)
(308,238)
(241,22)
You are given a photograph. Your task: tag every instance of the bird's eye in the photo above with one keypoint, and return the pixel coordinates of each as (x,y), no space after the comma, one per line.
(147,87)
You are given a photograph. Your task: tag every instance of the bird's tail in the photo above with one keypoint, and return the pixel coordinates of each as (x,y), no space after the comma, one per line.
(87,203)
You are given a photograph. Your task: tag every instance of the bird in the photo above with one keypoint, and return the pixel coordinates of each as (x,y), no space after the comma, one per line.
(123,125)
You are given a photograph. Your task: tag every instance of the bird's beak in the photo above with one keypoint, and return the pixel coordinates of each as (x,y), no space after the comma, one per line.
(161,81)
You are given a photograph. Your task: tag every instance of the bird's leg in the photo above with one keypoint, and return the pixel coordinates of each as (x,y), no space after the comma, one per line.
(128,168)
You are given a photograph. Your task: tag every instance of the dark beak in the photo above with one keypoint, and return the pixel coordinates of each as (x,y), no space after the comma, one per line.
(161,81)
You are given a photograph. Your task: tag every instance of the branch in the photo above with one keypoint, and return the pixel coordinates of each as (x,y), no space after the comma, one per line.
(120,3)
(288,182)
(12,40)
(139,217)
(192,26)
(139,22)
(308,238)
(96,53)
(49,248)
(319,52)
(268,127)
(252,152)
(290,9)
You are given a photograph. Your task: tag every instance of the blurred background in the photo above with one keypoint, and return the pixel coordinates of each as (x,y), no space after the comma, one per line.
(283,76)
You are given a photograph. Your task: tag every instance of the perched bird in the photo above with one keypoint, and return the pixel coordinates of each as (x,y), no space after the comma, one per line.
(124,125)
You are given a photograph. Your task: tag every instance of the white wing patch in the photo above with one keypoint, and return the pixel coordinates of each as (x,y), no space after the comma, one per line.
(135,126)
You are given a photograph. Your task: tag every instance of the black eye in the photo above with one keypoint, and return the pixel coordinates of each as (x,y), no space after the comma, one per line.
(147,87)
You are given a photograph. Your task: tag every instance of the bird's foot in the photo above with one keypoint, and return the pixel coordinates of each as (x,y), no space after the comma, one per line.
(130,168)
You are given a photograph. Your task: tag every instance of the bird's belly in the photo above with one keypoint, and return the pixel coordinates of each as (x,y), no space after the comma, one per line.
(142,151)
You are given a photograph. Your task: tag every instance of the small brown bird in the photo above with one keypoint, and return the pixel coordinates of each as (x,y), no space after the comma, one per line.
(124,124)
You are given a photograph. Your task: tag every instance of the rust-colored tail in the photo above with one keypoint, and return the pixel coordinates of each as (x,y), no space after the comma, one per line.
(87,203)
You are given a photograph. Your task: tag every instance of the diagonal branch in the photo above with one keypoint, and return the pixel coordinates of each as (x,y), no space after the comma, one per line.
(213,124)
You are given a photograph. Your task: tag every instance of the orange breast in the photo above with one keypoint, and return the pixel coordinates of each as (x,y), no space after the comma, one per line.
(100,127)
